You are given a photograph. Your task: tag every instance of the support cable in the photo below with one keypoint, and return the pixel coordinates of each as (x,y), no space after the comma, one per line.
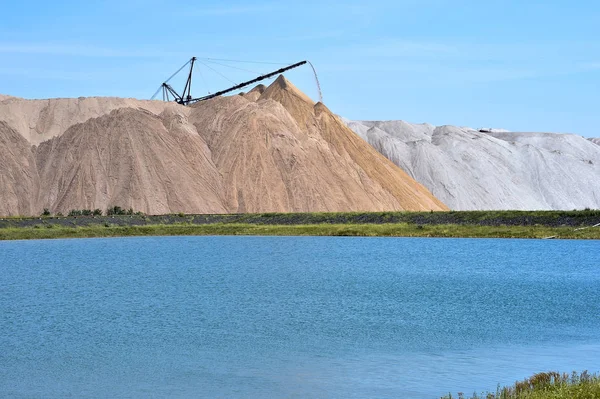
(203,80)
(170,77)
(217,72)
(232,67)
(185,98)
(244,84)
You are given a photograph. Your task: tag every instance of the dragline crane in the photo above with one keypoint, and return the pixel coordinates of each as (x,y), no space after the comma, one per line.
(168,91)
(170,94)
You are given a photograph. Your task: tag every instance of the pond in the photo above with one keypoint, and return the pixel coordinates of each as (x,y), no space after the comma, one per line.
(284,317)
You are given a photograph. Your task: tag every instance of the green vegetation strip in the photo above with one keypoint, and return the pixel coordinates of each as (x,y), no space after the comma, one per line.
(367,230)
(546,386)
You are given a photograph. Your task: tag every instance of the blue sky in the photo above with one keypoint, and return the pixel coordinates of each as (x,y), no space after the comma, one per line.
(519,65)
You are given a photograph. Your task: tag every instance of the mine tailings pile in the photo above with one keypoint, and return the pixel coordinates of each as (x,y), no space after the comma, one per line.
(271,149)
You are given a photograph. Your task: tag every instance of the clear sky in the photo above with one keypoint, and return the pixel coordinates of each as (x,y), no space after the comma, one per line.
(523,65)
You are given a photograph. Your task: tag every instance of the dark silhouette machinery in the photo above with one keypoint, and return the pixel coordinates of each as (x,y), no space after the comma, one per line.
(186,98)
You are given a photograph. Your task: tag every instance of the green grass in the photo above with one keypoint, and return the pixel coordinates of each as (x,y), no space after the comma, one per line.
(546,386)
(367,230)
(496,224)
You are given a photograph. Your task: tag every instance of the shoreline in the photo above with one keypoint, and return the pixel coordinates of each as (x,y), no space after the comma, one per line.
(453,224)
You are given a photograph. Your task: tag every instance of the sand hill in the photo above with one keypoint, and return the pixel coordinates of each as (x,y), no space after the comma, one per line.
(471,170)
(269,150)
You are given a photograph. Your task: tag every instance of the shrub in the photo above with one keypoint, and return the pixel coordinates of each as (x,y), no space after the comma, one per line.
(46,212)
(115,210)
(80,212)
(550,385)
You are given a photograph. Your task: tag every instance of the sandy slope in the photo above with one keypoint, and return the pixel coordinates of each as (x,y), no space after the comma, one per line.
(470,170)
(284,152)
(130,157)
(270,150)
(41,120)
(18,174)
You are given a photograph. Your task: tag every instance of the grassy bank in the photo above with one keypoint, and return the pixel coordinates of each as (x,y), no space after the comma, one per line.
(483,218)
(368,230)
(546,386)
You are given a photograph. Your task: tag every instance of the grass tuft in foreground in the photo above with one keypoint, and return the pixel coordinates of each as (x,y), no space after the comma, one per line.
(551,385)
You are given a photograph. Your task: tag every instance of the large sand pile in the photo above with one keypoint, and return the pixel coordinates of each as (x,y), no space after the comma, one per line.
(130,157)
(470,170)
(270,150)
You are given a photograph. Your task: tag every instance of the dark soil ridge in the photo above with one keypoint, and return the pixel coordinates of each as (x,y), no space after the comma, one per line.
(573,219)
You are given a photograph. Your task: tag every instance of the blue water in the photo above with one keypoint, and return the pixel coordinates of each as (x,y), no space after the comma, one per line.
(289,317)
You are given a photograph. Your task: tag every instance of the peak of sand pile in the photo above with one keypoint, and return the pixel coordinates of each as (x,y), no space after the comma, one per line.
(282,89)
(280,153)
(255,93)
(298,104)
(258,89)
